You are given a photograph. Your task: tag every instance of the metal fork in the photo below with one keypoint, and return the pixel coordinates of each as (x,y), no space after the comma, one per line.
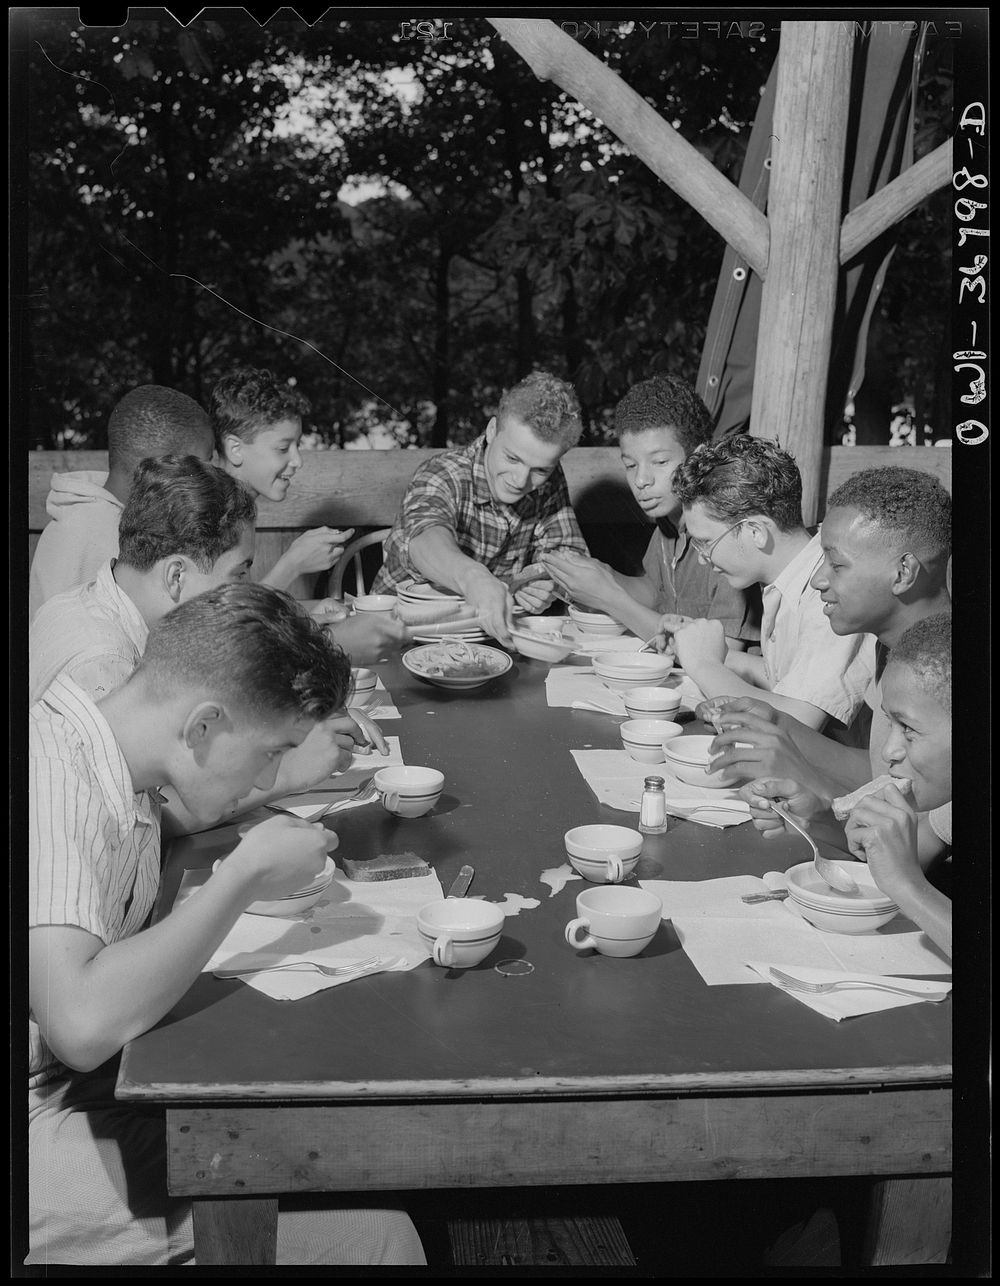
(299,966)
(828,871)
(819,988)
(366,791)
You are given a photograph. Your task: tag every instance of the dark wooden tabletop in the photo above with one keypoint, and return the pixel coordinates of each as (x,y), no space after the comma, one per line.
(578,1022)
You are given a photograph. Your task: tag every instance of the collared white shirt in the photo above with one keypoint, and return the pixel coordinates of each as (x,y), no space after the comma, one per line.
(93,842)
(93,634)
(803,657)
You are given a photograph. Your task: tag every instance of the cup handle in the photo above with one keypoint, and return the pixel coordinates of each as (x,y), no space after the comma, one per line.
(573,928)
(443,951)
(616,871)
(390,800)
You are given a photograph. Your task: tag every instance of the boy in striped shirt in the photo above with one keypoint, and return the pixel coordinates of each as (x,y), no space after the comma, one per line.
(228,683)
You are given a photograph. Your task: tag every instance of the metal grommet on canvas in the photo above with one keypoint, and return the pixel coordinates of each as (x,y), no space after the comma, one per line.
(739,274)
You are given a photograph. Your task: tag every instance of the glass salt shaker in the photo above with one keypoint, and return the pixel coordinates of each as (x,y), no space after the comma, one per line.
(653,809)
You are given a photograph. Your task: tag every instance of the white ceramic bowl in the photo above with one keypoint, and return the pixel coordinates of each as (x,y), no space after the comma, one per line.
(644,738)
(621,671)
(375,602)
(422,661)
(689,761)
(596,843)
(540,647)
(597,623)
(362,686)
(860,912)
(548,625)
(424,593)
(295,903)
(652,703)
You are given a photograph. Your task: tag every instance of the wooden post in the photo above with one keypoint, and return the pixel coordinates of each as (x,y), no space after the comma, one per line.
(804,213)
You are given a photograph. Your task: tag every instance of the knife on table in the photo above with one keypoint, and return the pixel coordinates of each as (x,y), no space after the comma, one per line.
(462,882)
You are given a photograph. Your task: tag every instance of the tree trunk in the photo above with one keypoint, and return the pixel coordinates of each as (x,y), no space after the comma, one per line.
(800,290)
(440,366)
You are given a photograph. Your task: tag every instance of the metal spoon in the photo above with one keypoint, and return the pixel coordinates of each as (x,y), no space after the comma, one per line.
(828,871)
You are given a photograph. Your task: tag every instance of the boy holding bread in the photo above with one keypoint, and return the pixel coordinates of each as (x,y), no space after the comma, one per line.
(881,822)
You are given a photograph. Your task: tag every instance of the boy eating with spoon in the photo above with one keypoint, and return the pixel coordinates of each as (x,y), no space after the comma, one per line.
(883,826)
(229,682)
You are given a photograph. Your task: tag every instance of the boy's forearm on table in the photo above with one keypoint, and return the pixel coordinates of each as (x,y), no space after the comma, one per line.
(128,986)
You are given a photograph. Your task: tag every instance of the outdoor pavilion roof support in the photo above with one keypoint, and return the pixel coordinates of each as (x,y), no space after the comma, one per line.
(553,55)
(798,247)
(800,290)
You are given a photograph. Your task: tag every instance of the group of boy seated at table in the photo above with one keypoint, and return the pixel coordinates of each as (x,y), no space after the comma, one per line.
(171,692)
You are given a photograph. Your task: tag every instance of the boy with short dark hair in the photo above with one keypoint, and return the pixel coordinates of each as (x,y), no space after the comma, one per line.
(186,527)
(659,422)
(257,420)
(894,828)
(742,501)
(886,542)
(258,426)
(229,681)
(474,517)
(85,506)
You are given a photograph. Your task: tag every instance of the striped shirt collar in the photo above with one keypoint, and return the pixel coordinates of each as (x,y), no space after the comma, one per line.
(103,753)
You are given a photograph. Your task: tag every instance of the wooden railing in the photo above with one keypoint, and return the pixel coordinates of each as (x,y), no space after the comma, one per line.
(363,489)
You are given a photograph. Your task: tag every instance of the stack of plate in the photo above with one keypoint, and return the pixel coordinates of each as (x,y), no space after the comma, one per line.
(302,899)
(457,623)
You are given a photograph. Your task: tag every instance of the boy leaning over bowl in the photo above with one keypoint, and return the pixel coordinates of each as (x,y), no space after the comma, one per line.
(883,827)
(186,527)
(229,682)
(475,517)
(658,423)
(257,420)
(84,507)
(742,501)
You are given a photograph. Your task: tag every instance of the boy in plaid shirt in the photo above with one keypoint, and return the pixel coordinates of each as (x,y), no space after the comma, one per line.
(474,517)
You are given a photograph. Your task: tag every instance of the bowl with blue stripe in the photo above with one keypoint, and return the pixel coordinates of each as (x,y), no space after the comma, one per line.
(862,912)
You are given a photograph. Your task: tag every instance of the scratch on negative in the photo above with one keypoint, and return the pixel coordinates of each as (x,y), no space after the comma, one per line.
(184,276)
(711,1141)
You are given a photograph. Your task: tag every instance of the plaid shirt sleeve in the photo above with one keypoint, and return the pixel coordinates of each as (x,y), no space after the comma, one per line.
(436,497)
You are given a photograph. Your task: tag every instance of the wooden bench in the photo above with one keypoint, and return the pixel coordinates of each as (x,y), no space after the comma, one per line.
(363,489)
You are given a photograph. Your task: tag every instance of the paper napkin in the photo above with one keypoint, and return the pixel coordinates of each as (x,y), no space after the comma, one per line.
(851,1001)
(352,921)
(616,779)
(720,933)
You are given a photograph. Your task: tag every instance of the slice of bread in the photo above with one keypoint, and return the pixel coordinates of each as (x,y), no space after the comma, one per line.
(387,866)
(845,804)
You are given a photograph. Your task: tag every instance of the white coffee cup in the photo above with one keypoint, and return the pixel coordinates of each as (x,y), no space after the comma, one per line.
(603,853)
(615,921)
(409,791)
(460,932)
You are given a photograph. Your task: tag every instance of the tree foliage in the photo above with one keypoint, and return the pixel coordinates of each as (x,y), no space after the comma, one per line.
(186,213)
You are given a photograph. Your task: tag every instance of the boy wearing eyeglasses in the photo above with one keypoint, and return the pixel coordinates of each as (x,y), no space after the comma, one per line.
(742,502)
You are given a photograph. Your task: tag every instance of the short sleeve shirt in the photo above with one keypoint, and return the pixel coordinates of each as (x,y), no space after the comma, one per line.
(93,635)
(93,842)
(803,657)
(689,587)
(451,490)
